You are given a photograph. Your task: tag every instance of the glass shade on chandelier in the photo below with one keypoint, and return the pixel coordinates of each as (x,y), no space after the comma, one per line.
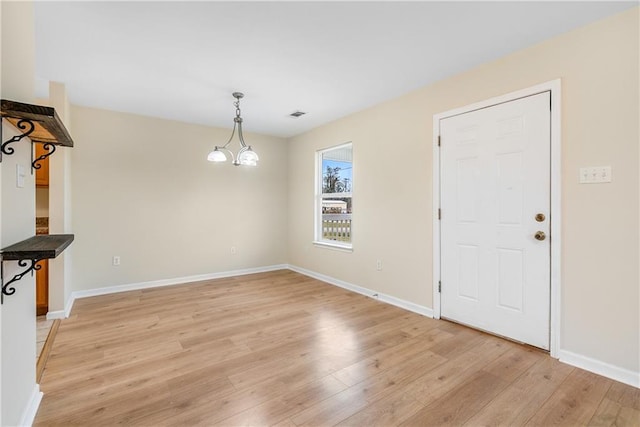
(246,156)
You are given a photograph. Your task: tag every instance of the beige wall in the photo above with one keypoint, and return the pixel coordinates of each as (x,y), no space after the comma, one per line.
(42,202)
(143,190)
(18,313)
(598,65)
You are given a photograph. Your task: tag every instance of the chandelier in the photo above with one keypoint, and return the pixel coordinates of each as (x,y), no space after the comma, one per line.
(246,156)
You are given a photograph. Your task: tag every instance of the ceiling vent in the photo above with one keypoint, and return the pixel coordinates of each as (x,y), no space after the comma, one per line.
(297,114)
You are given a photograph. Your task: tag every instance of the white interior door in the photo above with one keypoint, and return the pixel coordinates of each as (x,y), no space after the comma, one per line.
(495,201)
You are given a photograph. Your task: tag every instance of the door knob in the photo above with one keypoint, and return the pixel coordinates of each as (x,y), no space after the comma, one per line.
(540,217)
(540,235)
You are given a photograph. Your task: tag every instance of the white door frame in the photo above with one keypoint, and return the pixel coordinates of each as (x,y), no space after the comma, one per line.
(554,87)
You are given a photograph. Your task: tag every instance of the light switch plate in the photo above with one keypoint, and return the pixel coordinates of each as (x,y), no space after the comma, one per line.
(20,175)
(595,175)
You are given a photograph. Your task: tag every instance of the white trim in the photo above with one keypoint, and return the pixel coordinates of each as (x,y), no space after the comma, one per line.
(601,368)
(337,147)
(58,314)
(62,314)
(406,305)
(168,282)
(554,87)
(68,306)
(334,246)
(556,216)
(435,226)
(343,195)
(30,411)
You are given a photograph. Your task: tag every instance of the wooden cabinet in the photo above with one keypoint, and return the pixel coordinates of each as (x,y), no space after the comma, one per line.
(42,288)
(42,174)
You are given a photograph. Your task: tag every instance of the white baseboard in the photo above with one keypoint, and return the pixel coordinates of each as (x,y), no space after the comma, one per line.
(168,282)
(601,368)
(409,306)
(59,314)
(30,411)
(62,314)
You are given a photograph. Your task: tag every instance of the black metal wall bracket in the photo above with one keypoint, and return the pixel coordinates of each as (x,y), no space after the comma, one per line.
(28,127)
(7,289)
(25,125)
(51,148)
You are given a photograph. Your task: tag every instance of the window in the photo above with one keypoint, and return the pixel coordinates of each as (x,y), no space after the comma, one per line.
(334,191)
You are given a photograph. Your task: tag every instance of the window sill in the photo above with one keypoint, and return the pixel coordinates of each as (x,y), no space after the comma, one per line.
(333,246)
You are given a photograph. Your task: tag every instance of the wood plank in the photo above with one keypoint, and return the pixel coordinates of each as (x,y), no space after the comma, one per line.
(514,362)
(391,410)
(332,410)
(282,407)
(520,400)
(365,393)
(625,395)
(456,371)
(574,402)
(610,413)
(620,407)
(461,403)
(389,358)
(43,246)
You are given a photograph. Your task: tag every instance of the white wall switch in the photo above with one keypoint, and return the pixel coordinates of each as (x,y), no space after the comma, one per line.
(20,175)
(595,175)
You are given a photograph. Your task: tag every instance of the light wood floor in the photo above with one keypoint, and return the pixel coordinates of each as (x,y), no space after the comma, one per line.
(281,348)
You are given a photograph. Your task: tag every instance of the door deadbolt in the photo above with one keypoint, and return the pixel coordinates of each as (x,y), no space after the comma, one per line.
(540,217)
(540,235)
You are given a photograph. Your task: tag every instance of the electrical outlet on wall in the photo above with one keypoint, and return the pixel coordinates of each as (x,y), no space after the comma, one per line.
(595,175)
(116,260)
(379,265)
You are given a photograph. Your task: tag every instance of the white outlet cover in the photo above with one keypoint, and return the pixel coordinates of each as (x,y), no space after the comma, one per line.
(20,175)
(595,175)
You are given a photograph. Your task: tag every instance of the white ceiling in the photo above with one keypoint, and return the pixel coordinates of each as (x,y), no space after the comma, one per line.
(182,61)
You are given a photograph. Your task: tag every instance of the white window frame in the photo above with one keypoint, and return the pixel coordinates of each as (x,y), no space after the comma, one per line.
(319,196)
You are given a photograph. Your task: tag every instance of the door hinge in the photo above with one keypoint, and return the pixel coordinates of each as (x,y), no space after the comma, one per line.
(439,214)
(438,140)
(439,286)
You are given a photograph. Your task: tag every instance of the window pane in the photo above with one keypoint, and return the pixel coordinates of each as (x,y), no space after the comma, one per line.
(336,219)
(337,170)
